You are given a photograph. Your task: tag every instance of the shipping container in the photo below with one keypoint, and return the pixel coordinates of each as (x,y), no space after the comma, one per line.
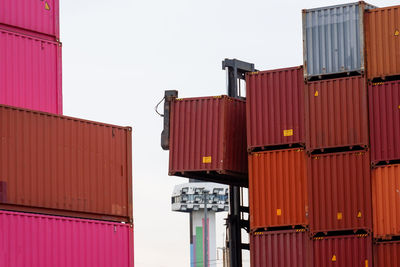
(30,73)
(387,254)
(39,17)
(275,108)
(386,201)
(208,139)
(382,41)
(280,249)
(333,39)
(47,241)
(343,251)
(337,114)
(278,188)
(340,192)
(65,166)
(384,113)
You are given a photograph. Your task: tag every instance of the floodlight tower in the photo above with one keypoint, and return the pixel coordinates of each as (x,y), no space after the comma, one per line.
(202,201)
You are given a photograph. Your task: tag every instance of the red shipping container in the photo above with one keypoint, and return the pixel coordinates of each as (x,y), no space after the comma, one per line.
(208,138)
(30,73)
(278,188)
(343,251)
(275,108)
(40,17)
(64,166)
(384,112)
(386,201)
(340,192)
(337,113)
(387,254)
(280,249)
(48,241)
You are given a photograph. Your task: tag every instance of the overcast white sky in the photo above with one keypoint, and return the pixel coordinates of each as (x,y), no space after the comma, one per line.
(120,56)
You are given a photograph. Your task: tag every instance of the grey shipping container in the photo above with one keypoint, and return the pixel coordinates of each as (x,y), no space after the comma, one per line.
(333,39)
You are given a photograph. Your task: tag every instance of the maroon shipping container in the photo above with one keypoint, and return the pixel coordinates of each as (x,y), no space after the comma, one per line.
(208,138)
(384,108)
(343,251)
(280,249)
(337,113)
(64,166)
(340,192)
(275,108)
(387,254)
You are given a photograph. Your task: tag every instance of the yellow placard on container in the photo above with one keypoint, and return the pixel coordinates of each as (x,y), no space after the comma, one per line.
(316,93)
(46,6)
(207,159)
(288,132)
(278,212)
(339,216)
(359,214)
(366,263)
(334,257)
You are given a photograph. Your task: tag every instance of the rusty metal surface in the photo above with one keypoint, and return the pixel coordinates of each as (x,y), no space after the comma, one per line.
(64,166)
(208,134)
(280,249)
(343,251)
(384,113)
(275,108)
(387,254)
(386,201)
(383,41)
(337,113)
(278,188)
(340,192)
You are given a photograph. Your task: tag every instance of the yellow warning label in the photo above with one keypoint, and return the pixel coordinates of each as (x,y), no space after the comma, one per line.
(399,106)
(316,93)
(366,263)
(288,132)
(207,159)
(278,212)
(46,6)
(359,214)
(334,257)
(339,216)
(396,33)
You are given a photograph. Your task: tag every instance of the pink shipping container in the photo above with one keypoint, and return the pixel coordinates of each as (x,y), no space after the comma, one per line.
(48,241)
(38,17)
(343,251)
(30,72)
(290,248)
(384,112)
(275,108)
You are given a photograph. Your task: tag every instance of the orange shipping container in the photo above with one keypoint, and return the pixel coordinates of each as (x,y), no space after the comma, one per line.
(278,188)
(386,201)
(383,41)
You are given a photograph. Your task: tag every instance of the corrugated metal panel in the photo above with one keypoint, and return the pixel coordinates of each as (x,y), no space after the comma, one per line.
(47,241)
(275,107)
(340,192)
(343,251)
(337,113)
(64,166)
(333,39)
(383,41)
(387,254)
(30,73)
(384,108)
(386,201)
(38,16)
(280,249)
(208,135)
(278,188)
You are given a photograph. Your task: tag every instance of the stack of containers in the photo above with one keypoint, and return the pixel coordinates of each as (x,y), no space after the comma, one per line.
(337,138)
(382,44)
(65,183)
(277,168)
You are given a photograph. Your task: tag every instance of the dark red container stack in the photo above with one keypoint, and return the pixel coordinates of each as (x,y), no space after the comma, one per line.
(65,183)
(382,44)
